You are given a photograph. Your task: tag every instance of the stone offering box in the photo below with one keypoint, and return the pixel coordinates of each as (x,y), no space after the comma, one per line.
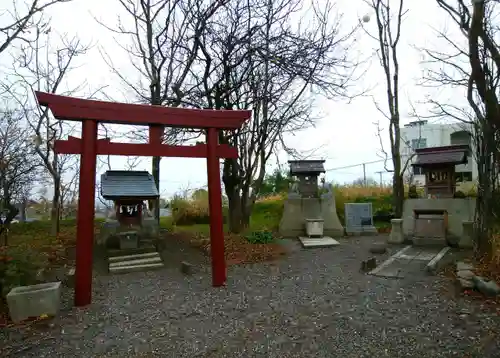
(128,240)
(34,301)
(314,227)
(359,219)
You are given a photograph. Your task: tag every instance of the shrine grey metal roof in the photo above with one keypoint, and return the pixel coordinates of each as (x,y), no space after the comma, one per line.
(306,166)
(449,155)
(128,184)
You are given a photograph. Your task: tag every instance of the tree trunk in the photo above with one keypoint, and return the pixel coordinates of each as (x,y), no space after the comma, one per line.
(484,215)
(54,213)
(235,219)
(399,195)
(398,188)
(23,210)
(156,177)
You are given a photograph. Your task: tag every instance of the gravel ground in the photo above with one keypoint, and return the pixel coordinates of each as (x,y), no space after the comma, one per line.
(314,303)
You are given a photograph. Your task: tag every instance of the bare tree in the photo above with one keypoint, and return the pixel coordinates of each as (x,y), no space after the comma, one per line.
(475,68)
(161,43)
(388,36)
(18,163)
(43,67)
(22,19)
(254,58)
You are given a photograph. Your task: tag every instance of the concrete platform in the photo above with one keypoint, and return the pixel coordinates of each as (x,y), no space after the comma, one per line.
(325,241)
(411,260)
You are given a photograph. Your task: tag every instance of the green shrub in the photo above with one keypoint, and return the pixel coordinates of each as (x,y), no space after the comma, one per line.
(459,194)
(412,192)
(18,267)
(260,237)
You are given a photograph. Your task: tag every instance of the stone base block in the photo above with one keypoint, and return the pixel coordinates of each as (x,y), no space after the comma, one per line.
(426,241)
(364,231)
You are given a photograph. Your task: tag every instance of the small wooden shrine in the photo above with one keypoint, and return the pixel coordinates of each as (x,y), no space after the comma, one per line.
(128,190)
(307,172)
(438,166)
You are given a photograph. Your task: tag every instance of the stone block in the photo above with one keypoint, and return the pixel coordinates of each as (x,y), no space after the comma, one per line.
(487,288)
(464,266)
(464,284)
(34,301)
(368,265)
(378,248)
(396,235)
(466,240)
(186,268)
(465,274)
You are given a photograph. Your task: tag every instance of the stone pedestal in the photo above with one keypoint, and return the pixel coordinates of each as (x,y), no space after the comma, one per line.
(297,210)
(292,221)
(467,238)
(331,226)
(396,235)
(150,227)
(109,228)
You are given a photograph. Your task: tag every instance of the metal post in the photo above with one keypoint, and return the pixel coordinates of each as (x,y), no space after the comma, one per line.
(85,221)
(364,174)
(215,205)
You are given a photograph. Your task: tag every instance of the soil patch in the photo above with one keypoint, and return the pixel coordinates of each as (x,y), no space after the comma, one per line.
(237,249)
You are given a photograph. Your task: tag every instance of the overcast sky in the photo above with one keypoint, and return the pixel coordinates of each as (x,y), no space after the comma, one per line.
(346,134)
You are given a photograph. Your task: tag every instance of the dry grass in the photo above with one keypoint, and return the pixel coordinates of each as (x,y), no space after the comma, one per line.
(357,191)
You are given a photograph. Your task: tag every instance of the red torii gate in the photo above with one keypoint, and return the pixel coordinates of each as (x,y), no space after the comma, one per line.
(90,113)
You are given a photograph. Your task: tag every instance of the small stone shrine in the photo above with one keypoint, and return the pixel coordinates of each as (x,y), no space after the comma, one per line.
(438,165)
(430,221)
(130,233)
(307,214)
(359,219)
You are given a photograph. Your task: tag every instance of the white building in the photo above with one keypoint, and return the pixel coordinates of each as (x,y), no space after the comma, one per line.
(421,134)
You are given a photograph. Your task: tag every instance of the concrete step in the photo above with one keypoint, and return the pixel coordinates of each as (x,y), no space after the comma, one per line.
(127,252)
(143,261)
(133,257)
(135,268)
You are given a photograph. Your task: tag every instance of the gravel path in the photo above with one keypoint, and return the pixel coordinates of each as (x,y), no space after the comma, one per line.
(314,303)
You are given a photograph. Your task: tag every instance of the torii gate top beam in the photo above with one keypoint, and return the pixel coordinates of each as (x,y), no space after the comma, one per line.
(76,109)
